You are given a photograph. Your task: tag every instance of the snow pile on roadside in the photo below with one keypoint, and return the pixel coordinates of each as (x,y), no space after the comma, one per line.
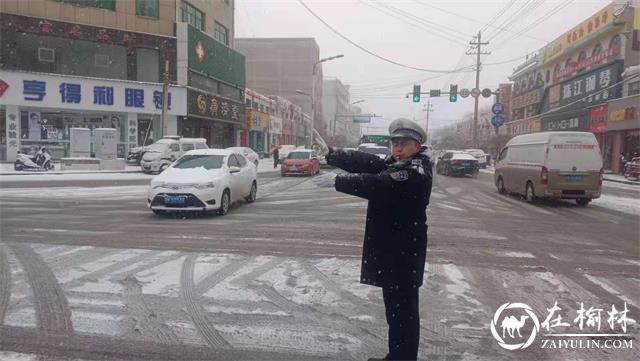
(621,204)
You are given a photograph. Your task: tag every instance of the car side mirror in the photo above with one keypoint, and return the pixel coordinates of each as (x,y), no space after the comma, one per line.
(234,170)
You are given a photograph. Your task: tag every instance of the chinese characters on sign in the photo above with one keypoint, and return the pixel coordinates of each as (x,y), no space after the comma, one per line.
(591,318)
(157,99)
(103,95)
(70,93)
(214,107)
(586,28)
(594,87)
(575,66)
(134,98)
(575,123)
(34,90)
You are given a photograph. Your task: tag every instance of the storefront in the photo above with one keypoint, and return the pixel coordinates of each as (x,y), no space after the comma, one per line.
(287,132)
(40,109)
(258,124)
(623,130)
(212,117)
(275,130)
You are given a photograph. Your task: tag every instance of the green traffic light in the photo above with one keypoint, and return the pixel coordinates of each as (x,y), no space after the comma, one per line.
(453,98)
(416,98)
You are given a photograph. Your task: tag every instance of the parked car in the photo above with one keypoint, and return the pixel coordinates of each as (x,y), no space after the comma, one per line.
(165,151)
(284,150)
(380,151)
(565,165)
(457,164)
(480,155)
(135,155)
(300,162)
(203,180)
(249,153)
(632,168)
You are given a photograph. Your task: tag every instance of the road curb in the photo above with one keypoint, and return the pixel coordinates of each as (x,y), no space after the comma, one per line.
(623,181)
(62,173)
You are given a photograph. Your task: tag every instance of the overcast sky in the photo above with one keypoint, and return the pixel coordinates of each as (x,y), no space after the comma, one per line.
(419,33)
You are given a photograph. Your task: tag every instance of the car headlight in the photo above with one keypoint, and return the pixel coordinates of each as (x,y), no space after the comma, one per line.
(204,185)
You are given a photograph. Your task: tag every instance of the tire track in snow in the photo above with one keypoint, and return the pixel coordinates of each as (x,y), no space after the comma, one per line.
(195,310)
(146,321)
(52,308)
(220,275)
(5,284)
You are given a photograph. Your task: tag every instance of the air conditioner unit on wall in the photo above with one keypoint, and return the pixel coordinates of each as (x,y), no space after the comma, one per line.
(102,60)
(47,55)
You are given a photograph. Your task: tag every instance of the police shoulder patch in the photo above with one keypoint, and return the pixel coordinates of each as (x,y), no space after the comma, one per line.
(400,175)
(416,161)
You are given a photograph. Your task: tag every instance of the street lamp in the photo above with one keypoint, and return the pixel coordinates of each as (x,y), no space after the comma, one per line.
(313,90)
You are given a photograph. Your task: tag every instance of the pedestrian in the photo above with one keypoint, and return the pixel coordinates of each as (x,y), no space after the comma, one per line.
(276,156)
(621,162)
(398,189)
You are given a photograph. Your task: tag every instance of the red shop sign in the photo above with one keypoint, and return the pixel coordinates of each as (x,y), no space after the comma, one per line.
(598,117)
(575,66)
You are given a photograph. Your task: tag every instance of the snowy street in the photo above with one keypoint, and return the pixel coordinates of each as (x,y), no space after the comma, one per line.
(88,272)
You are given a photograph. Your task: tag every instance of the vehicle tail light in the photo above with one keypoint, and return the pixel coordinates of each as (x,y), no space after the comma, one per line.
(544,176)
(601,177)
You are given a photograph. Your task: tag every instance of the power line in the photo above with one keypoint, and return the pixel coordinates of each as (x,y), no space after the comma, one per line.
(525,9)
(432,25)
(498,14)
(474,20)
(368,51)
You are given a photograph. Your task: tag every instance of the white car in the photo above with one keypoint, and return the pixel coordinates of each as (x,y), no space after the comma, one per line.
(479,155)
(203,180)
(249,153)
(380,151)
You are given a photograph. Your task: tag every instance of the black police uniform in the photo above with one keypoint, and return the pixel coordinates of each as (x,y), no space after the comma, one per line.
(395,240)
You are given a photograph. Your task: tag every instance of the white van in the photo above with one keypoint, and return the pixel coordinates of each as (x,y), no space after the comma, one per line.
(159,155)
(565,165)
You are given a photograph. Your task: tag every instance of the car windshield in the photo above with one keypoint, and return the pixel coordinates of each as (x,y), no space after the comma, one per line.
(157,147)
(299,155)
(199,160)
(376,150)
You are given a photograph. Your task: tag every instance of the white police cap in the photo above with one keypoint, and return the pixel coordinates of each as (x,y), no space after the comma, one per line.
(405,128)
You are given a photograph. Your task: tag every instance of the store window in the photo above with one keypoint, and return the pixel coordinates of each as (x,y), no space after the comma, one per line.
(547,77)
(102,4)
(192,16)
(47,54)
(614,41)
(147,65)
(566,63)
(221,34)
(149,8)
(596,50)
(634,88)
(556,70)
(539,81)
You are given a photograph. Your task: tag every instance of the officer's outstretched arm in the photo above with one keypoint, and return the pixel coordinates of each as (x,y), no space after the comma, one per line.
(401,186)
(354,161)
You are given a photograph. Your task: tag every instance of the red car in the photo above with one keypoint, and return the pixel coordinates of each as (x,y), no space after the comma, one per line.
(300,162)
(632,168)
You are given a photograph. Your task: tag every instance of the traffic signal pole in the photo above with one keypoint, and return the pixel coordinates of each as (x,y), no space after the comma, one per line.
(478,52)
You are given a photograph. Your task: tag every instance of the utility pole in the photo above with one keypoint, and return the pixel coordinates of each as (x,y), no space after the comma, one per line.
(165,99)
(427,108)
(477,45)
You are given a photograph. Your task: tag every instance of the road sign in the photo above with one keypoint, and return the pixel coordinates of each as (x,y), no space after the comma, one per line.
(362,119)
(497,120)
(486,92)
(434,93)
(464,92)
(497,108)
(475,92)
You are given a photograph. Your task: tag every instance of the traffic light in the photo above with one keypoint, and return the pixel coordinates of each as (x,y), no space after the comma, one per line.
(416,93)
(453,93)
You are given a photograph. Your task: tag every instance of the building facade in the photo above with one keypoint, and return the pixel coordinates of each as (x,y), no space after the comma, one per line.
(284,66)
(335,108)
(70,63)
(572,81)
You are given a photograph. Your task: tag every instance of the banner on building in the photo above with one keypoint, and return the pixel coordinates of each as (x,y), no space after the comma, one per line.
(211,106)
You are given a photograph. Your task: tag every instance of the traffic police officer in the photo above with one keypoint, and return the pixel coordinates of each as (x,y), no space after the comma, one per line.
(395,240)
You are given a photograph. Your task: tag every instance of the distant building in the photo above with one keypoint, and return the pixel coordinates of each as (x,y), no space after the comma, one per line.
(335,107)
(280,66)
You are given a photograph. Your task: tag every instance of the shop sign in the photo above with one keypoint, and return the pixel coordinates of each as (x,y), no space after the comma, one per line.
(635,41)
(13,131)
(598,119)
(594,87)
(257,120)
(628,113)
(526,99)
(215,107)
(574,66)
(569,123)
(552,51)
(89,94)
(275,125)
(588,28)
(23,24)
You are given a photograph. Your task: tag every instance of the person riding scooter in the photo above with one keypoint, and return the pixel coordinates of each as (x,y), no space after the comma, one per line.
(39,161)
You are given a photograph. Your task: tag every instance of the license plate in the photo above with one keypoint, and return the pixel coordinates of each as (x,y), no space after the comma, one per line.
(294,168)
(466,164)
(573,178)
(175,200)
